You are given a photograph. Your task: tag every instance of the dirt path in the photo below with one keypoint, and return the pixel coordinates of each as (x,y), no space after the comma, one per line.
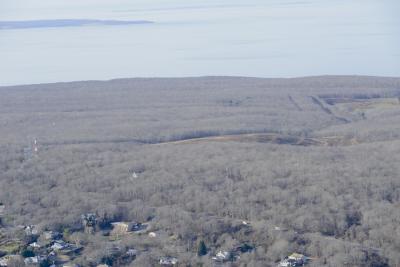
(272,138)
(318,102)
(291,100)
(268,138)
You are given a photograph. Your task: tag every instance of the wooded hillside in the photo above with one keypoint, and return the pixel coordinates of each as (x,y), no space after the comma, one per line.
(307,165)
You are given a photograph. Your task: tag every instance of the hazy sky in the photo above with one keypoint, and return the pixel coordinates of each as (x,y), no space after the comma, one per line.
(265,38)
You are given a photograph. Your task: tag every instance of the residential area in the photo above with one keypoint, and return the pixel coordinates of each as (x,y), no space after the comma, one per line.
(39,247)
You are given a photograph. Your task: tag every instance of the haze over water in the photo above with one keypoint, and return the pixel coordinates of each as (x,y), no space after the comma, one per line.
(263,38)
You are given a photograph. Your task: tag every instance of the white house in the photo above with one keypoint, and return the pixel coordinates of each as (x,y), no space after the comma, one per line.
(168,261)
(222,256)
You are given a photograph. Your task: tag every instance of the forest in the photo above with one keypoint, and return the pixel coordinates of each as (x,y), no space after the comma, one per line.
(256,168)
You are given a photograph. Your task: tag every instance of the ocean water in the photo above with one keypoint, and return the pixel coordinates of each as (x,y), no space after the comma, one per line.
(268,38)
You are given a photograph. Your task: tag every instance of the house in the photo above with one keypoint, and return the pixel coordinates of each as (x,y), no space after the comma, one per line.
(222,256)
(59,245)
(119,228)
(34,260)
(297,257)
(4,261)
(129,255)
(34,245)
(31,230)
(63,247)
(293,260)
(169,261)
(286,263)
(50,235)
(246,223)
(278,229)
(131,252)
(125,227)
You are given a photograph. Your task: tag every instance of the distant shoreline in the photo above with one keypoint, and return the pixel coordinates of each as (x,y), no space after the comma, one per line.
(61,23)
(312,79)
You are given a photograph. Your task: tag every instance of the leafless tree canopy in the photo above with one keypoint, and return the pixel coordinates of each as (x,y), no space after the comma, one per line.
(312,164)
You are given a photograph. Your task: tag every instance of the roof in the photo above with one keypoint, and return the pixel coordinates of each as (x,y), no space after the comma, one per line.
(284,263)
(126,224)
(132,252)
(222,256)
(4,261)
(120,223)
(59,245)
(65,247)
(51,235)
(31,230)
(34,260)
(296,256)
(34,245)
(168,260)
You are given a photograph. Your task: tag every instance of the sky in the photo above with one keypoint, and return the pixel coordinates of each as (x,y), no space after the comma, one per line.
(268,38)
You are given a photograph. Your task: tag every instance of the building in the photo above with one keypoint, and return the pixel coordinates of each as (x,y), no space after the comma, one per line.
(34,245)
(34,260)
(50,235)
(62,247)
(299,258)
(222,256)
(168,261)
(131,252)
(294,260)
(59,245)
(6,259)
(31,230)
(120,228)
